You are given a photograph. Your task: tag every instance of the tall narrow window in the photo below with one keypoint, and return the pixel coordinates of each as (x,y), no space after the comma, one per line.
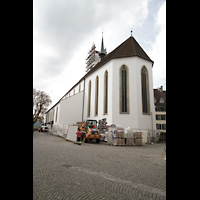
(106,93)
(145,91)
(53,114)
(124,89)
(89,98)
(56,113)
(79,87)
(96,95)
(124,92)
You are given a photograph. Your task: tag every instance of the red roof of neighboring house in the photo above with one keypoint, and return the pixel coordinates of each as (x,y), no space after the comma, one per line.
(158,94)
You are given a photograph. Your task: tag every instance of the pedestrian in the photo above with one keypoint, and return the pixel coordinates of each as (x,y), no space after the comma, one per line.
(78,137)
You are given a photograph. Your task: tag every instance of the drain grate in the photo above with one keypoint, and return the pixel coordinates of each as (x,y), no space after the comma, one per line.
(67,165)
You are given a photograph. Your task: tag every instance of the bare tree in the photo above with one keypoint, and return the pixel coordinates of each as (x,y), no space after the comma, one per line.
(41,101)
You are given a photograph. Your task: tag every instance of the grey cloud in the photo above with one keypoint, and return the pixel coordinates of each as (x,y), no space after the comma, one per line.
(65,24)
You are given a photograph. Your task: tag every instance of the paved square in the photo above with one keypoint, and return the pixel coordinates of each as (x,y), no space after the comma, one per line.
(63,170)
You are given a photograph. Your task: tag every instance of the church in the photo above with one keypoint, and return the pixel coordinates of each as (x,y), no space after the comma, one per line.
(118,86)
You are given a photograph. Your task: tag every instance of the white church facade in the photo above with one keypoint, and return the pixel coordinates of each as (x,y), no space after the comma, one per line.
(119,88)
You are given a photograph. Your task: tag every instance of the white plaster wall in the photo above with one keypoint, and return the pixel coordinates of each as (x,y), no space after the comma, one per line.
(58,114)
(135,118)
(76,89)
(145,121)
(100,73)
(131,119)
(70,111)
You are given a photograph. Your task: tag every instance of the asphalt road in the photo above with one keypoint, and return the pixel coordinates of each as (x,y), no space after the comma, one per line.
(64,170)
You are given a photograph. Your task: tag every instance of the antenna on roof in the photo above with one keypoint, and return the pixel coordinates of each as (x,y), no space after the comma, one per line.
(131,32)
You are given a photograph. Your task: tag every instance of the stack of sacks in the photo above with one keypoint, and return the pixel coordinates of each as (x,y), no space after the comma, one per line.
(138,137)
(129,141)
(118,138)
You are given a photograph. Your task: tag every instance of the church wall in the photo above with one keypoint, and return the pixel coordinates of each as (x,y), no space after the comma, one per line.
(135,118)
(58,114)
(131,119)
(100,73)
(70,111)
(145,121)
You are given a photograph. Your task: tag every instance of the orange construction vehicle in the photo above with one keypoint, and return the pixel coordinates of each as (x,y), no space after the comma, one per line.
(90,131)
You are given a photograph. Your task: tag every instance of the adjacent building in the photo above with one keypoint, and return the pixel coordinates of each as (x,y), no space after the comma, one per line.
(160,108)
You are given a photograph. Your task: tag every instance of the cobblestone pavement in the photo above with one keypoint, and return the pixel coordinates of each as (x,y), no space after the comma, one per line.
(64,170)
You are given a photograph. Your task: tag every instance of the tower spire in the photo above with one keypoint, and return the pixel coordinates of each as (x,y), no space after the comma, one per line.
(102,53)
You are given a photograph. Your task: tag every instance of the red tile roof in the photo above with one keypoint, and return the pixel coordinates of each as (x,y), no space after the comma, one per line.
(128,48)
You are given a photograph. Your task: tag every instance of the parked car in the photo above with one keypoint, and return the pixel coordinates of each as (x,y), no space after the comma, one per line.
(44,128)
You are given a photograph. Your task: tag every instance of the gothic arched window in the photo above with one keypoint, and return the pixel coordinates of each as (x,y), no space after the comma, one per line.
(89,98)
(56,114)
(106,92)
(145,90)
(124,89)
(96,95)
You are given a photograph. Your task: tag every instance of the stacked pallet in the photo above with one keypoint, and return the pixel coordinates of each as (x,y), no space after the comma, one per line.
(118,138)
(128,134)
(137,138)
(129,141)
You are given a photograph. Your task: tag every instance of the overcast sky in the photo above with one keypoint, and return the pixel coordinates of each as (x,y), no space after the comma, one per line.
(64,31)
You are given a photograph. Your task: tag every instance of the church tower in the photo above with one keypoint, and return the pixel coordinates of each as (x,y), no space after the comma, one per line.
(92,59)
(103,51)
(95,56)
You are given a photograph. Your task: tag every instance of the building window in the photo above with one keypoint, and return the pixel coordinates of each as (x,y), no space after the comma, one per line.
(160,117)
(158,126)
(74,91)
(145,91)
(164,126)
(96,95)
(89,98)
(163,117)
(160,108)
(56,113)
(106,92)
(79,87)
(124,89)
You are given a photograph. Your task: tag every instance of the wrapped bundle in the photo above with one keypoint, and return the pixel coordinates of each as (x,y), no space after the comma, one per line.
(128,132)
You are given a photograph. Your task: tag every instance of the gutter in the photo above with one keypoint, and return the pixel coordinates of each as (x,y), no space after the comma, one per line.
(83,99)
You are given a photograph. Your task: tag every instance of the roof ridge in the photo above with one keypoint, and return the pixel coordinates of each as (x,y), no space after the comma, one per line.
(119,47)
(134,46)
(142,51)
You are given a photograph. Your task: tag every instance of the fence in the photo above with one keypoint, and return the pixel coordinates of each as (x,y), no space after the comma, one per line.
(68,132)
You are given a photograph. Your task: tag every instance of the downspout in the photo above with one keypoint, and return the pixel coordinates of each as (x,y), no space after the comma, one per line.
(83,99)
